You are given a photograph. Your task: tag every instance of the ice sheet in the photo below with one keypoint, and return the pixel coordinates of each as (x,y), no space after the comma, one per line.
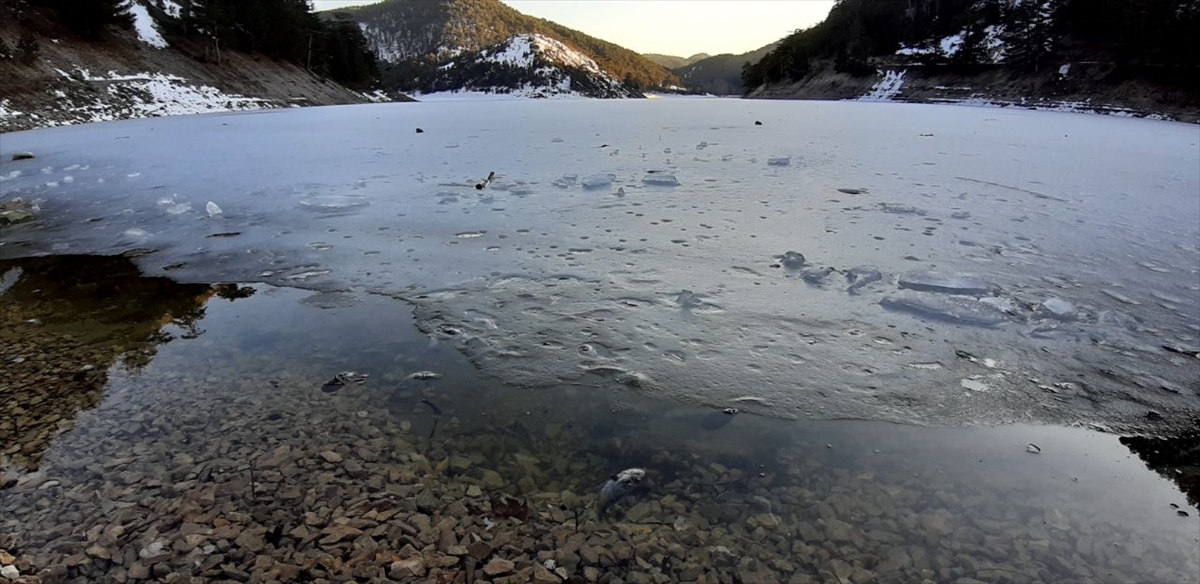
(1038,205)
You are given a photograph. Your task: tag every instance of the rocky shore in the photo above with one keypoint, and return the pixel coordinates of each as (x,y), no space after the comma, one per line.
(180,479)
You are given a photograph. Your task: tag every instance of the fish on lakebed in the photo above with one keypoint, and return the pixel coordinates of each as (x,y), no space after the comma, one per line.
(618,487)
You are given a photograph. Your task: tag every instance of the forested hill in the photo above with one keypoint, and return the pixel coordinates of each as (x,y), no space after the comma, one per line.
(414,37)
(719,74)
(73,61)
(1071,48)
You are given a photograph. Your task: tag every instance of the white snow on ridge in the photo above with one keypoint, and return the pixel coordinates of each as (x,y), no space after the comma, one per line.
(526,92)
(886,88)
(521,50)
(145,26)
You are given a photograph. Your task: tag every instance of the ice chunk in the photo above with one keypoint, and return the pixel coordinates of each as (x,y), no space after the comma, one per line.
(792,260)
(661,179)
(955,309)
(1057,308)
(1004,305)
(815,275)
(211,208)
(334,202)
(969,284)
(960,215)
(687,299)
(780,161)
(596,181)
(9,279)
(860,276)
(901,209)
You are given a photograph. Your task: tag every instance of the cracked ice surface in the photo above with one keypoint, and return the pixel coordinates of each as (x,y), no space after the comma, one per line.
(1022,214)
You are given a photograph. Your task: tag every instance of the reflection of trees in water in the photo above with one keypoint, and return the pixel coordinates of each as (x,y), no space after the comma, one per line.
(1177,459)
(64,320)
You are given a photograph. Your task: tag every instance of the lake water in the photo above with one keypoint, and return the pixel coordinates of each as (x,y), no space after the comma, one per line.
(156,427)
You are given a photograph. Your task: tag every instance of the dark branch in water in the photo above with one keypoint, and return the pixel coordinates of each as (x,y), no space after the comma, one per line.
(436,410)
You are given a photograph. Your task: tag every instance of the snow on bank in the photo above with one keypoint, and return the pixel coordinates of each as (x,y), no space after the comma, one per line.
(147,29)
(887,88)
(92,98)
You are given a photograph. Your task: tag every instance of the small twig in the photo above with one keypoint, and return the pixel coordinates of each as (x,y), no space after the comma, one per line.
(253,487)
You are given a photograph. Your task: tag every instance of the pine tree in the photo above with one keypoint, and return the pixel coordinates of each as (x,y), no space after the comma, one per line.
(27,48)
(1029,33)
(90,18)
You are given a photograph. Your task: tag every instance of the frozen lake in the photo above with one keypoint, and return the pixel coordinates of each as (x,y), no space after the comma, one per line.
(631,270)
(952,265)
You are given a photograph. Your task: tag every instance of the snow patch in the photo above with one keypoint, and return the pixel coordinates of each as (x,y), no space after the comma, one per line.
(5,112)
(1064,70)
(887,88)
(147,29)
(501,94)
(172,8)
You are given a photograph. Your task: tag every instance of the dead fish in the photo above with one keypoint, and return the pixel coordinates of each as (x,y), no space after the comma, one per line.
(424,376)
(618,486)
(343,379)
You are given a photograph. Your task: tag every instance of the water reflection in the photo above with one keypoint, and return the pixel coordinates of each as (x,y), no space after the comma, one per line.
(64,321)
(220,457)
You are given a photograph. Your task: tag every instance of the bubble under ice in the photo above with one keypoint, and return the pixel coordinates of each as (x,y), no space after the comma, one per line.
(558,268)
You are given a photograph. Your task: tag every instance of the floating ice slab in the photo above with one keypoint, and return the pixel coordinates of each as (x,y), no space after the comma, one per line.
(596,181)
(1058,308)
(661,179)
(954,309)
(968,284)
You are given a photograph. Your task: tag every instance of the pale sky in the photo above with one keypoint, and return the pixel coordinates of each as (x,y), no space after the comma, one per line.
(670,27)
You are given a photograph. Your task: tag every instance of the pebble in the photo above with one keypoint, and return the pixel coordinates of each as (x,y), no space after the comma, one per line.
(498,566)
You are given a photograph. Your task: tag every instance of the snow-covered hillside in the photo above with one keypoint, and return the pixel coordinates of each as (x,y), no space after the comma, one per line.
(140,73)
(526,65)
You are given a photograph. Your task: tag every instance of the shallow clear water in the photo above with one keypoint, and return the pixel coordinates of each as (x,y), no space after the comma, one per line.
(209,413)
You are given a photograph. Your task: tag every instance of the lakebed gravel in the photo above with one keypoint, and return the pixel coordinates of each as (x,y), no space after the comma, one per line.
(215,479)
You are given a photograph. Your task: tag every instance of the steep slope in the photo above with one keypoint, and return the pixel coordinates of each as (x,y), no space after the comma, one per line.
(414,38)
(1100,55)
(719,74)
(528,65)
(673,62)
(51,77)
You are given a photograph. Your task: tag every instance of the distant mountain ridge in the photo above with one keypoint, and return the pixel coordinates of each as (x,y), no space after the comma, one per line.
(719,74)
(673,62)
(415,40)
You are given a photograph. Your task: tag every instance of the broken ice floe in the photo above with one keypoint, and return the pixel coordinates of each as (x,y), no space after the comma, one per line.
(968,284)
(596,181)
(334,202)
(661,180)
(954,309)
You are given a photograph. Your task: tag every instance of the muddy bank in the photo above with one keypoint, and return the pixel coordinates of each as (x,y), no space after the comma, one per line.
(1087,87)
